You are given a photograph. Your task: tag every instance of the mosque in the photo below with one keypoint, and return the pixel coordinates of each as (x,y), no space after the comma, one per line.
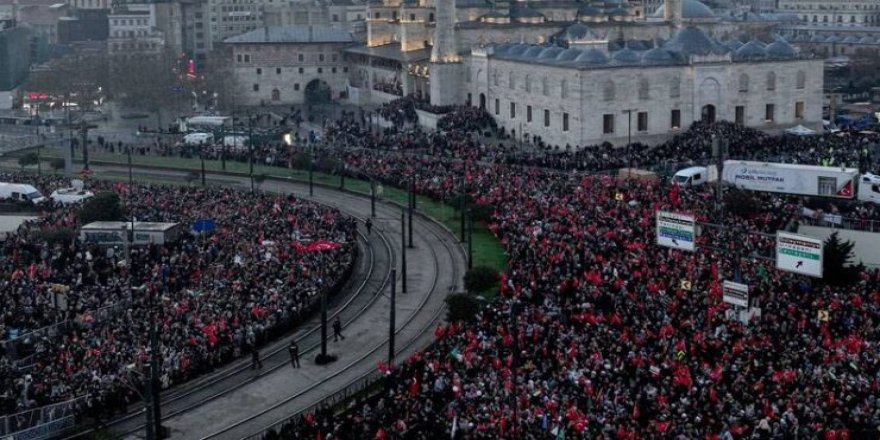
(579,73)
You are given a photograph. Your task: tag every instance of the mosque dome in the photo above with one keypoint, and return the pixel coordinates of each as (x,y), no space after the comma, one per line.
(657,56)
(692,41)
(626,56)
(592,56)
(690,10)
(751,50)
(780,49)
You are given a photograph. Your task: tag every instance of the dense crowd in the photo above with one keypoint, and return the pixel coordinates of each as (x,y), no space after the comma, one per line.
(216,295)
(599,333)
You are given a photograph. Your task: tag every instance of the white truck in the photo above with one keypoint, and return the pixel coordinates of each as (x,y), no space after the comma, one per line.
(75,194)
(804,180)
(21,192)
(696,176)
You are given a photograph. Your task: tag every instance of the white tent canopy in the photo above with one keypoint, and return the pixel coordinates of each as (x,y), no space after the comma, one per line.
(800,130)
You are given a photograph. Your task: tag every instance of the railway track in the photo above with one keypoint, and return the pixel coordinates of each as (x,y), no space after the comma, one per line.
(253,430)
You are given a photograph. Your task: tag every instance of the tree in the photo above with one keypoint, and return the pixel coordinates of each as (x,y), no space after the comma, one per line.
(28,160)
(147,81)
(836,262)
(56,164)
(741,202)
(104,206)
(480,279)
(78,79)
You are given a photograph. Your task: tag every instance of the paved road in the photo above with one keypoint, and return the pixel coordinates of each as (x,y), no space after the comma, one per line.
(436,265)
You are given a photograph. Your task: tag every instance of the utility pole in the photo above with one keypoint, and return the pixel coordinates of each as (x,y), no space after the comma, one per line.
(323,355)
(251,143)
(461,208)
(148,405)
(403,250)
(392,317)
(311,170)
(412,196)
(84,135)
(202,156)
(470,238)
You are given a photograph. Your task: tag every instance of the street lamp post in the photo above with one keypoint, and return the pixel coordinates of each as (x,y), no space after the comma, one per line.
(403,250)
(392,318)
(629,113)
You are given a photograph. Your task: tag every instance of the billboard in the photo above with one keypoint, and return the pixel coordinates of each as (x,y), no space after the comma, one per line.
(799,254)
(736,294)
(676,230)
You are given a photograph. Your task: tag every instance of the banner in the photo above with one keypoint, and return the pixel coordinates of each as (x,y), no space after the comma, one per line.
(676,230)
(736,294)
(799,254)
(322,246)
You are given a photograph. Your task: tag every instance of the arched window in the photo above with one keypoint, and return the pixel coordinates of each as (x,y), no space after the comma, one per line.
(528,83)
(511,80)
(801,79)
(675,87)
(608,91)
(495,80)
(644,89)
(771,81)
(563,89)
(743,83)
(545,86)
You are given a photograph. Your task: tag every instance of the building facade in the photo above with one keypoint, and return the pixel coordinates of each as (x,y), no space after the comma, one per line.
(15,55)
(851,12)
(133,32)
(287,65)
(585,95)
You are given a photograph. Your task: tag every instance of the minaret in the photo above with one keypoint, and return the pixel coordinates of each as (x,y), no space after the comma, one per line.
(672,12)
(445,61)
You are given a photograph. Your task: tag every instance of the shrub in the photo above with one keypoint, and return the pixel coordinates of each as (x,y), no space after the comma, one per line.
(105,206)
(480,279)
(28,160)
(461,307)
(482,212)
(55,236)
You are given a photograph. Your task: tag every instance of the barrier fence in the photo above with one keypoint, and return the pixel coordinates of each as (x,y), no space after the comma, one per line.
(42,423)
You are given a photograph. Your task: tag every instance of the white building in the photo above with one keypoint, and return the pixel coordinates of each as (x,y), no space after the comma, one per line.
(133,31)
(585,94)
(853,12)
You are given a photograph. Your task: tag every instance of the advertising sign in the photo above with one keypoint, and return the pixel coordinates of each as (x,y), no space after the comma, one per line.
(676,230)
(736,294)
(799,254)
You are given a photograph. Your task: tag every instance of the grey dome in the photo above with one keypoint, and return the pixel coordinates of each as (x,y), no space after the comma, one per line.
(690,9)
(833,39)
(502,48)
(550,53)
(592,56)
(781,49)
(568,55)
(866,40)
(734,45)
(578,32)
(751,50)
(532,52)
(518,49)
(589,11)
(817,39)
(657,56)
(626,56)
(692,41)
(639,45)
(850,40)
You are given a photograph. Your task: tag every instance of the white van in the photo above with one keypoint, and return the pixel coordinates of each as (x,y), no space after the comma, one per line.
(869,188)
(695,176)
(21,192)
(195,139)
(68,196)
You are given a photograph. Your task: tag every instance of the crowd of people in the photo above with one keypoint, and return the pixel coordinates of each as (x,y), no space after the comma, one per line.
(215,295)
(599,333)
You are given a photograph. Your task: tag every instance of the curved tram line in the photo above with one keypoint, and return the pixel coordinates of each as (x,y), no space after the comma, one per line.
(241,371)
(441,238)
